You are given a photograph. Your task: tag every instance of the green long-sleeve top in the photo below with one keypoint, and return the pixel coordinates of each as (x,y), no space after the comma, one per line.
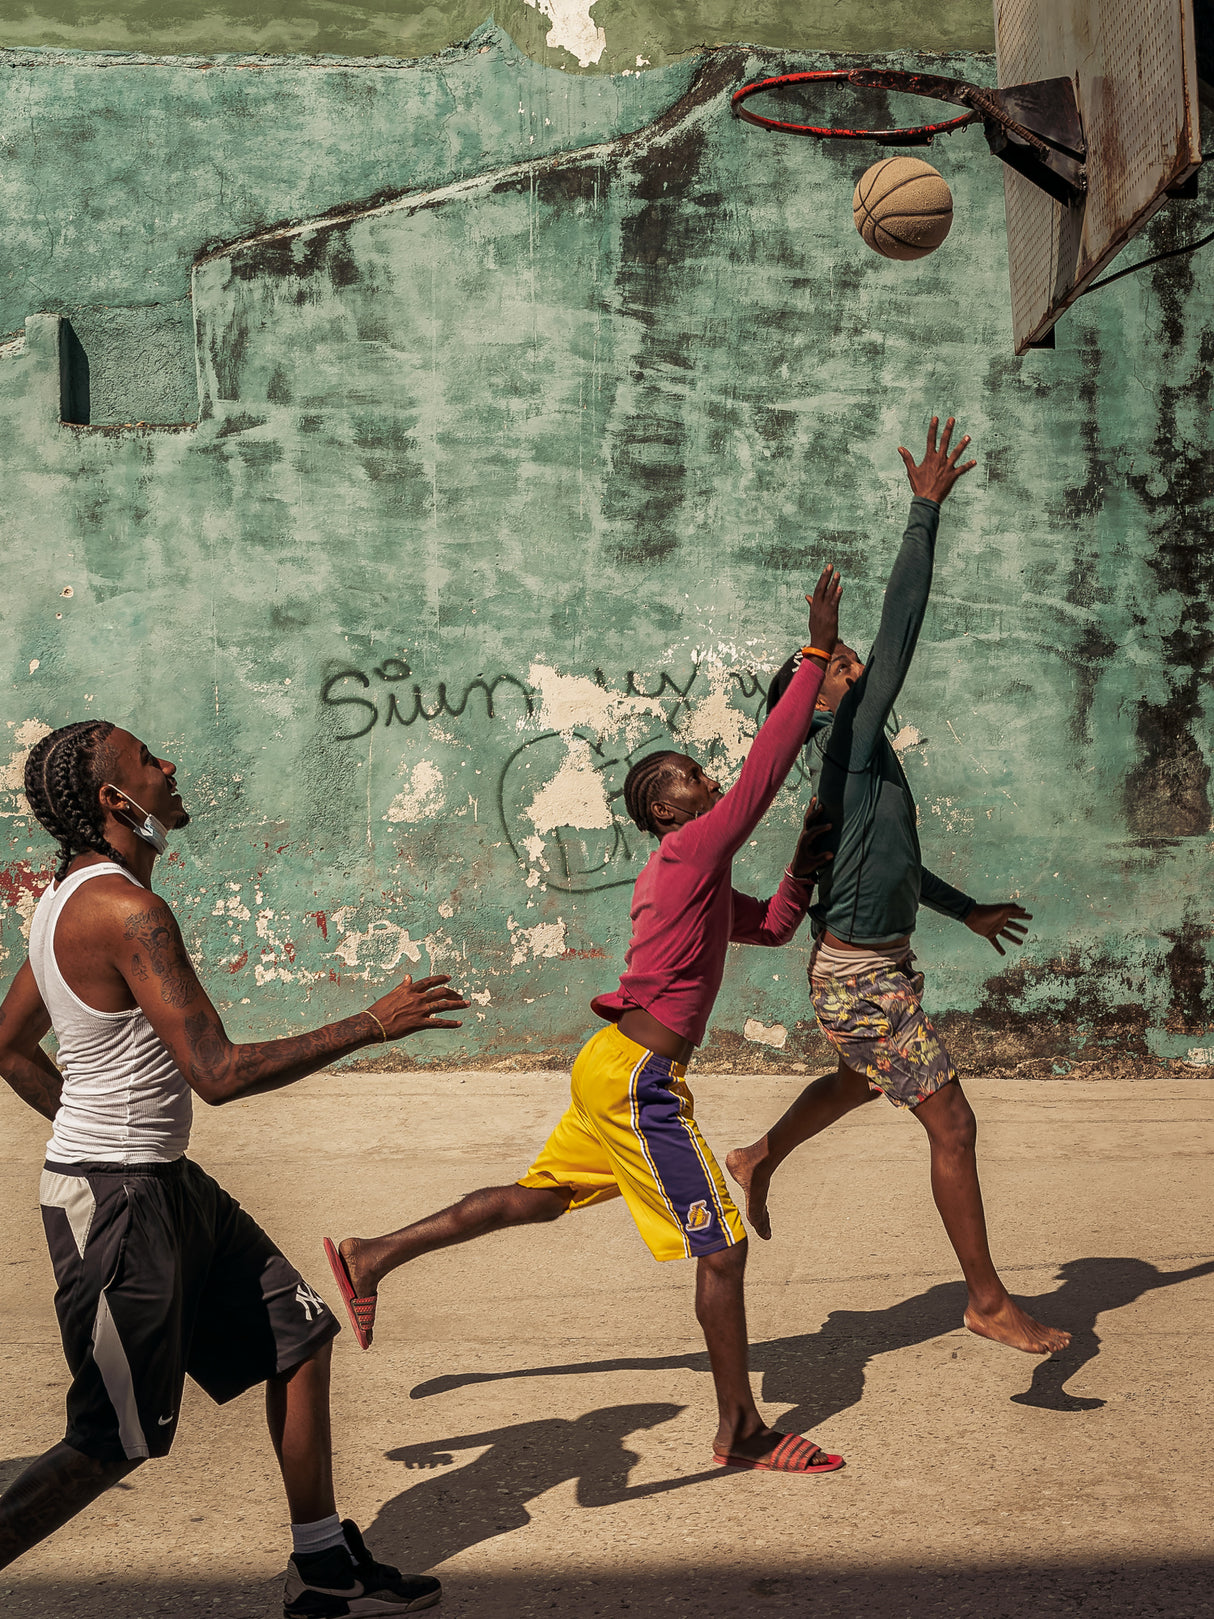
(871,891)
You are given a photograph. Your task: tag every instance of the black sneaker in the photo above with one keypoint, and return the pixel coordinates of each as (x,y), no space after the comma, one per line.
(347,1581)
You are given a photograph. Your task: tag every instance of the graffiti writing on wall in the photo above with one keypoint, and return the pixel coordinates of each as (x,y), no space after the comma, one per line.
(340,690)
(560,792)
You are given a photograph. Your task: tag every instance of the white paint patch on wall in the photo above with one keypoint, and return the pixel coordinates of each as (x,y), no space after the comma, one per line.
(764,1034)
(714,719)
(12,779)
(572,29)
(907,737)
(577,700)
(544,940)
(380,949)
(422,798)
(575,796)
(25,905)
(535,850)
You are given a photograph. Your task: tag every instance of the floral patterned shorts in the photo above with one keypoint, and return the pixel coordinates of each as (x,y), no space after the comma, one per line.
(877,1025)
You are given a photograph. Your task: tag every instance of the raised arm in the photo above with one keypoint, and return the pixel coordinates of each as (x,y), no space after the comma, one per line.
(150,954)
(716,837)
(24,1024)
(861,716)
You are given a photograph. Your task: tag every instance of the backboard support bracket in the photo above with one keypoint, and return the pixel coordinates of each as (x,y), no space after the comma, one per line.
(1036,129)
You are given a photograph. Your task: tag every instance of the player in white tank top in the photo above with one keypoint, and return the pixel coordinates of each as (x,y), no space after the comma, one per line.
(123,1096)
(138,1035)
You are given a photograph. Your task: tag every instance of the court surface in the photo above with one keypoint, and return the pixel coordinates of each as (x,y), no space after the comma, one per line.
(533,1422)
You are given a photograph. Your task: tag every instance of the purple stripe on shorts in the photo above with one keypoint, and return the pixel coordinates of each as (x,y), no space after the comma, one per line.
(676,1164)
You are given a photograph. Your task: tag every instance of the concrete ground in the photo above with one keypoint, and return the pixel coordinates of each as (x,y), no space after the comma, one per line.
(534,1420)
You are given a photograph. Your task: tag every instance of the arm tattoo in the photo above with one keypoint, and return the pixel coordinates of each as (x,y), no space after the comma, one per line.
(219,1070)
(162,955)
(208,1049)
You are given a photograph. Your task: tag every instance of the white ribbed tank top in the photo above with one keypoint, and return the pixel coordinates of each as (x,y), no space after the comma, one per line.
(124,1098)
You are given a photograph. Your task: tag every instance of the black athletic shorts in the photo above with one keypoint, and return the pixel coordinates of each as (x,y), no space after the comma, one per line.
(161,1273)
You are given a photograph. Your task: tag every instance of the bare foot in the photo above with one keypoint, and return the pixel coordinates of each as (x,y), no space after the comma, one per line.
(1009,1325)
(362,1280)
(754,1446)
(745,1165)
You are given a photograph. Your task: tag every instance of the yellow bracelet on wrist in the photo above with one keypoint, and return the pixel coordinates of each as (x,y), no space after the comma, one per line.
(383,1033)
(815,652)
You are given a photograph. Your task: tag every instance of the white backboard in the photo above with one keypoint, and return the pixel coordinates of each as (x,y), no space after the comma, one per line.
(1133,66)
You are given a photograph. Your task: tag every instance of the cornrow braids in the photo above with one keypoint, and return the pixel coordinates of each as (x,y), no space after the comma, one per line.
(641,787)
(62,775)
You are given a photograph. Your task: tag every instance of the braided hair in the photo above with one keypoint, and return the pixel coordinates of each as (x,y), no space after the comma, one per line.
(642,784)
(62,775)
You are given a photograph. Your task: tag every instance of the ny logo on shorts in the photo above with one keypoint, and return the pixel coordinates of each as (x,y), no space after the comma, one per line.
(698,1216)
(310,1300)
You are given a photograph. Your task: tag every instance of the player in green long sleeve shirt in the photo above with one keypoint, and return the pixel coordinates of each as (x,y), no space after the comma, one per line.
(865,989)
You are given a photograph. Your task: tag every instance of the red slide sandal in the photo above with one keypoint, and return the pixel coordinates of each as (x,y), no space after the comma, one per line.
(793,1454)
(361,1311)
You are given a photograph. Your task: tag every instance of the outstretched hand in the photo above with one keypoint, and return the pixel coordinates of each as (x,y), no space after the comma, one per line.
(938,471)
(995,922)
(824,610)
(805,863)
(412,1006)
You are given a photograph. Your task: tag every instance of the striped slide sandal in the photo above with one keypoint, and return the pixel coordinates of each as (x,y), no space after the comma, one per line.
(793,1454)
(360,1310)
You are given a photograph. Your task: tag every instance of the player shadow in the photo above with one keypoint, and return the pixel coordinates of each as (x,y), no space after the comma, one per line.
(818,1374)
(447,1514)
(1090,1287)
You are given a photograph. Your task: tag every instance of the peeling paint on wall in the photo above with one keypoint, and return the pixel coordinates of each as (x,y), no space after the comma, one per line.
(573,29)
(764,1035)
(575,795)
(422,798)
(544,941)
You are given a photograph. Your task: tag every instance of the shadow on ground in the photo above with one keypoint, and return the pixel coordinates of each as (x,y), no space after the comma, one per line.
(1109,1590)
(821,1373)
(488,1497)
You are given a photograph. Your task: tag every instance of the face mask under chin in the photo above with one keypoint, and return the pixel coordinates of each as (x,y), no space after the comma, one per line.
(152,831)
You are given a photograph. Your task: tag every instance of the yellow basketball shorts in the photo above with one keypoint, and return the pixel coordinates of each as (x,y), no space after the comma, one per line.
(630,1131)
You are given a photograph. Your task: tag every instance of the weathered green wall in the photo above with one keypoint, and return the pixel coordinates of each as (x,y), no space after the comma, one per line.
(517,463)
(574,35)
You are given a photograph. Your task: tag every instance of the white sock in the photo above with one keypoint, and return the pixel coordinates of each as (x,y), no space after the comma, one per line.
(318,1536)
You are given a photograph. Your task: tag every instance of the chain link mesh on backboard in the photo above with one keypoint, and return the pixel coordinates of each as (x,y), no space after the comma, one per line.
(1134,69)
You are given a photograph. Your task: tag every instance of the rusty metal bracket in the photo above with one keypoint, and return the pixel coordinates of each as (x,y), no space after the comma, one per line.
(1036,130)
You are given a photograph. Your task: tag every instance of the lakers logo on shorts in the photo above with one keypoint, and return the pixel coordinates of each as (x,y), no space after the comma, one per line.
(698,1217)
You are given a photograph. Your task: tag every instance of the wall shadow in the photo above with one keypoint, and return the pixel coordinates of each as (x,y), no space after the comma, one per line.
(822,1373)
(75,393)
(434,1520)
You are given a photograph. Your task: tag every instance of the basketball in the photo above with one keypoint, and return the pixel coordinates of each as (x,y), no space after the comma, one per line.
(903,208)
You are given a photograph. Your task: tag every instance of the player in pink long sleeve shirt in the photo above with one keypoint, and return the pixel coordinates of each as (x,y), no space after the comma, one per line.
(685,910)
(630,1128)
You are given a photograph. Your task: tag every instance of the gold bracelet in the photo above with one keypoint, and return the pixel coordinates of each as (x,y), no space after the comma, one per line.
(815,652)
(383,1032)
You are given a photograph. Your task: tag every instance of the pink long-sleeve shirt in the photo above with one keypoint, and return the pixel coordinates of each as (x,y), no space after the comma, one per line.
(685,909)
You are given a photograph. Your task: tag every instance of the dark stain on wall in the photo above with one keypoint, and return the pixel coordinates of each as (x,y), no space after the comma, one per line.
(648,488)
(1167,794)
(1191,977)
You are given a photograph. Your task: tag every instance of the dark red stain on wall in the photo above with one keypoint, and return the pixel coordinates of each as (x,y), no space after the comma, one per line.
(19,880)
